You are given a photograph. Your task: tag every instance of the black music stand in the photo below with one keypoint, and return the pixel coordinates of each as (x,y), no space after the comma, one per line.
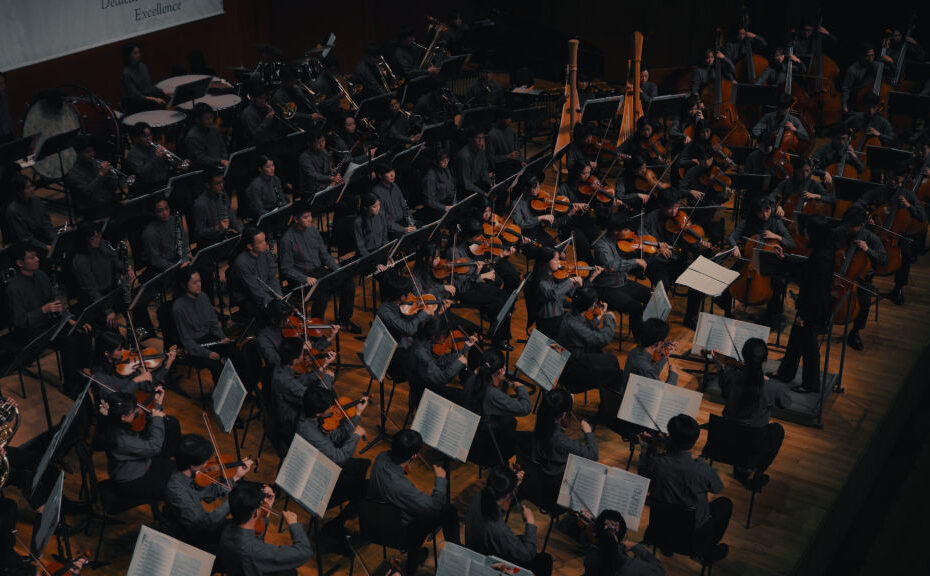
(415,88)
(56,145)
(217,251)
(273,223)
(455,212)
(17,150)
(439,132)
(183,188)
(30,354)
(530,114)
(452,67)
(331,282)
(912,105)
(880,158)
(405,158)
(367,264)
(190,92)
(65,243)
(326,198)
(739,153)
(410,241)
(156,284)
(375,108)
(850,188)
(505,185)
(665,106)
(480,118)
(240,169)
(756,95)
(597,109)
(93,309)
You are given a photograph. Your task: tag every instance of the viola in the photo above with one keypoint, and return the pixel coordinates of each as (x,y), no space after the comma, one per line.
(652,148)
(218,470)
(593,313)
(411,304)
(680,224)
(445,268)
(550,202)
(593,187)
(566,270)
(310,360)
(130,362)
(715,177)
(509,233)
(602,146)
(454,341)
(347,406)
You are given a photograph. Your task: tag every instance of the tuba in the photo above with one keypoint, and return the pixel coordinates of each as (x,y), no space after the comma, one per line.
(9,424)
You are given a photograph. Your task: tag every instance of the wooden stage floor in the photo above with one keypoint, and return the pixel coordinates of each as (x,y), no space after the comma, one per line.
(796,517)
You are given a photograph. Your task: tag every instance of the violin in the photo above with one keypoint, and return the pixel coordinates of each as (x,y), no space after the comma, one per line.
(599,146)
(593,187)
(129,363)
(219,471)
(715,177)
(648,182)
(509,233)
(493,247)
(595,312)
(454,341)
(653,149)
(566,270)
(445,268)
(722,359)
(294,327)
(411,304)
(346,410)
(632,242)
(310,360)
(663,351)
(550,202)
(680,224)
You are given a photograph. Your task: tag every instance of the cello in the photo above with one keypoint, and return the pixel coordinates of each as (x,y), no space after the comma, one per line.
(879,87)
(824,103)
(751,287)
(853,265)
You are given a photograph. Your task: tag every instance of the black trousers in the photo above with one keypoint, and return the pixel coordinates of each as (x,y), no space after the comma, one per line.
(346,292)
(713,530)
(227,350)
(587,370)
(489,301)
(423,526)
(803,344)
(8,512)
(549,326)
(351,485)
(151,485)
(629,299)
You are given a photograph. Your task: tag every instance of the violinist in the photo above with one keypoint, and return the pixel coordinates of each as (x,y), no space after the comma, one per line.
(486,529)
(896,195)
(781,117)
(644,142)
(750,397)
(487,393)
(504,147)
(403,327)
(110,353)
(196,323)
(393,203)
(613,286)
(438,187)
(669,261)
(428,259)
(698,147)
(802,185)
(777,72)
(304,258)
(429,370)
(504,270)
(244,552)
(586,330)
(706,73)
(763,225)
(348,139)
(639,187)
(692,111)
(578,152)
(420,513)
(139,463)
(813,306)
(614,555)
(530,222)
(546,294)
(339,444)
(580,221)
(371,226)
(184,510)
(270,335)
(680,479)
(705,186)
(258,117)
(472,168)
(551,444)
(870,123)
(292,378)
(650,357)
(834,151)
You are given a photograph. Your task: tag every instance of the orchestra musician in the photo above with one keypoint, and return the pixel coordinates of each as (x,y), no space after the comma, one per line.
(853,231)
(214,218)
(801,183)
(367,72)
(138,90)
(613,287)
(147,161)
(650,358)
(258,117)
(316,167)
(420,513)
(551,444)
(486,529)
(472,169)
(439,193)
(93,186)
(184,496)
(486,392)
(265,192)
(706,73)
(859,74)
(164,240)
(485,92)
(781,118)
(586,330)
(398,129)
(530,222)
(254,274)
(869,122)
(245,553)
(393,202)
(548,293)
(296,373)
(503,146)
(347,139)
(614,555)
(371,225)
(836,149)
(205,143)
(430,370)
(26,220)
(777,72)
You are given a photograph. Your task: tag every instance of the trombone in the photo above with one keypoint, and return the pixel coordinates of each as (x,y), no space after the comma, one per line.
(388,79)
(433,51)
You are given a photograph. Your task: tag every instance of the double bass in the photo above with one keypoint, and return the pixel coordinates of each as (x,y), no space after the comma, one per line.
(824,102)
(853,265)
(751,287)
(725,119)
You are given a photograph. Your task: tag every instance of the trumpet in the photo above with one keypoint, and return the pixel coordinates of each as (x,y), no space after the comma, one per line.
(287,111)
(176,161)
(9,424)
(129,179)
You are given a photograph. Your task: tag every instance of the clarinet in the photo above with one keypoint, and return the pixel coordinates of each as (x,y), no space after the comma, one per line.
(56,291)
(125,285)
(178,236)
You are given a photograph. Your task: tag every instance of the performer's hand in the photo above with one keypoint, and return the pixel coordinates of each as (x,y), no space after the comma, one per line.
(104,168)
(736,252)
(241,471)
(641,263)
(665,250)
(547,218)
(52,307)
(790,126)
(827,178)
(361,405)
(779,250)
(144,377)
(696,194)
(289,517)
(439,471)
(528,516)
(861,244)
(111,320)
(779,212)
(214,356)
(769,235)
(359,431)
(157,413)
(311,280)
(585,427)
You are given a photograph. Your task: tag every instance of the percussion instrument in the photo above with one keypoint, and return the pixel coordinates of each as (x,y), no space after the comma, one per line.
(221,103)
(169,85)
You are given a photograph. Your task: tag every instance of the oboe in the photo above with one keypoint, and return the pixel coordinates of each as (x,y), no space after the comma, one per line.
(178,236)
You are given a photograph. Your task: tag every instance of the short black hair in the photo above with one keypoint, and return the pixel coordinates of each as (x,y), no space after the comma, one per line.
(277,311)
(289,349)
(249,234)
(244,499)
(653,331)
(138,130)
(317,400)
(583,298)
(683,432)
(669,197)
(193,450)
(18,251)
(404,445)
(200,109)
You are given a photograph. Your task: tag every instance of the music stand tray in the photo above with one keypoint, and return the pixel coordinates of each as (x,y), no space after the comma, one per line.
(664,106)
(455,211)
(155,284)
(912,105)
(882,158)
(240,168)
(597,109)
(850,188)
(376,107)
(756,95)
(218,251)
(55,144)
(17,150)
(452,67)
(479,117)
(276,220)
(412,240)
(92,309)
(192,91)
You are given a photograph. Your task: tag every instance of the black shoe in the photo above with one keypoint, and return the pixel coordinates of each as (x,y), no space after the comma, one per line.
(351,327)
(896,295)
(855,341)
(757,483)
(502,346)
(717,553)
(802,390)
(775,376)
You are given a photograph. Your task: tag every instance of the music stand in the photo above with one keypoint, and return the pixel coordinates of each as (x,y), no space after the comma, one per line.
(851,189)
(92,309)
(751,182)
(439,132)
(217,251)
(376,107)
(273,222)
(405,158)
(739,154)
(452,67)
(480,118)
(156,284)
(58,144)
(63,244)
(505,310)
(415,88)
(504,185)
(664,106)
(597,109)
(880,158)
(192,91)
(59,434)
(454,212)
(182,189)
(368,263)
(410,241)
(240,168)
(756,95)
(51,516)
(327,197)
(30,353)
(332,282)
(911,105)
(17,150)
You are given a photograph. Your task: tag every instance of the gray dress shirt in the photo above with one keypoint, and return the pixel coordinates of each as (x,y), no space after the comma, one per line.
(195,321)
(28,223)
(389,482)
(130,454)
(183,499)
(250,272)
(245,554)
(680,478)
(496,538)
(338,445)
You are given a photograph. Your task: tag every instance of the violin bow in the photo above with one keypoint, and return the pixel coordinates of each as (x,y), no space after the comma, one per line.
(111,389)
(135,339)
(216,450)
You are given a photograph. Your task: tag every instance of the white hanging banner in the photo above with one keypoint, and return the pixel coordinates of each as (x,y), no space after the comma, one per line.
(39,30)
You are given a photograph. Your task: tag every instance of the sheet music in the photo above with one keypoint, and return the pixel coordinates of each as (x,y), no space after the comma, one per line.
(651,403)
(308,476)
(456,560)
(583,490)
(158,554)
(542,360)
(430,417)
(378,350)
(707,277)
(658,305)
(625,492)
(228,396)
(714,332)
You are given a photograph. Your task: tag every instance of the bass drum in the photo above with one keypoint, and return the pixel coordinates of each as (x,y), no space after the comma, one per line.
(63,110)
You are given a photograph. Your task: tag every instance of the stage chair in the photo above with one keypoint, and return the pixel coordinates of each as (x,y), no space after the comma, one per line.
(671,530)
(733,442)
